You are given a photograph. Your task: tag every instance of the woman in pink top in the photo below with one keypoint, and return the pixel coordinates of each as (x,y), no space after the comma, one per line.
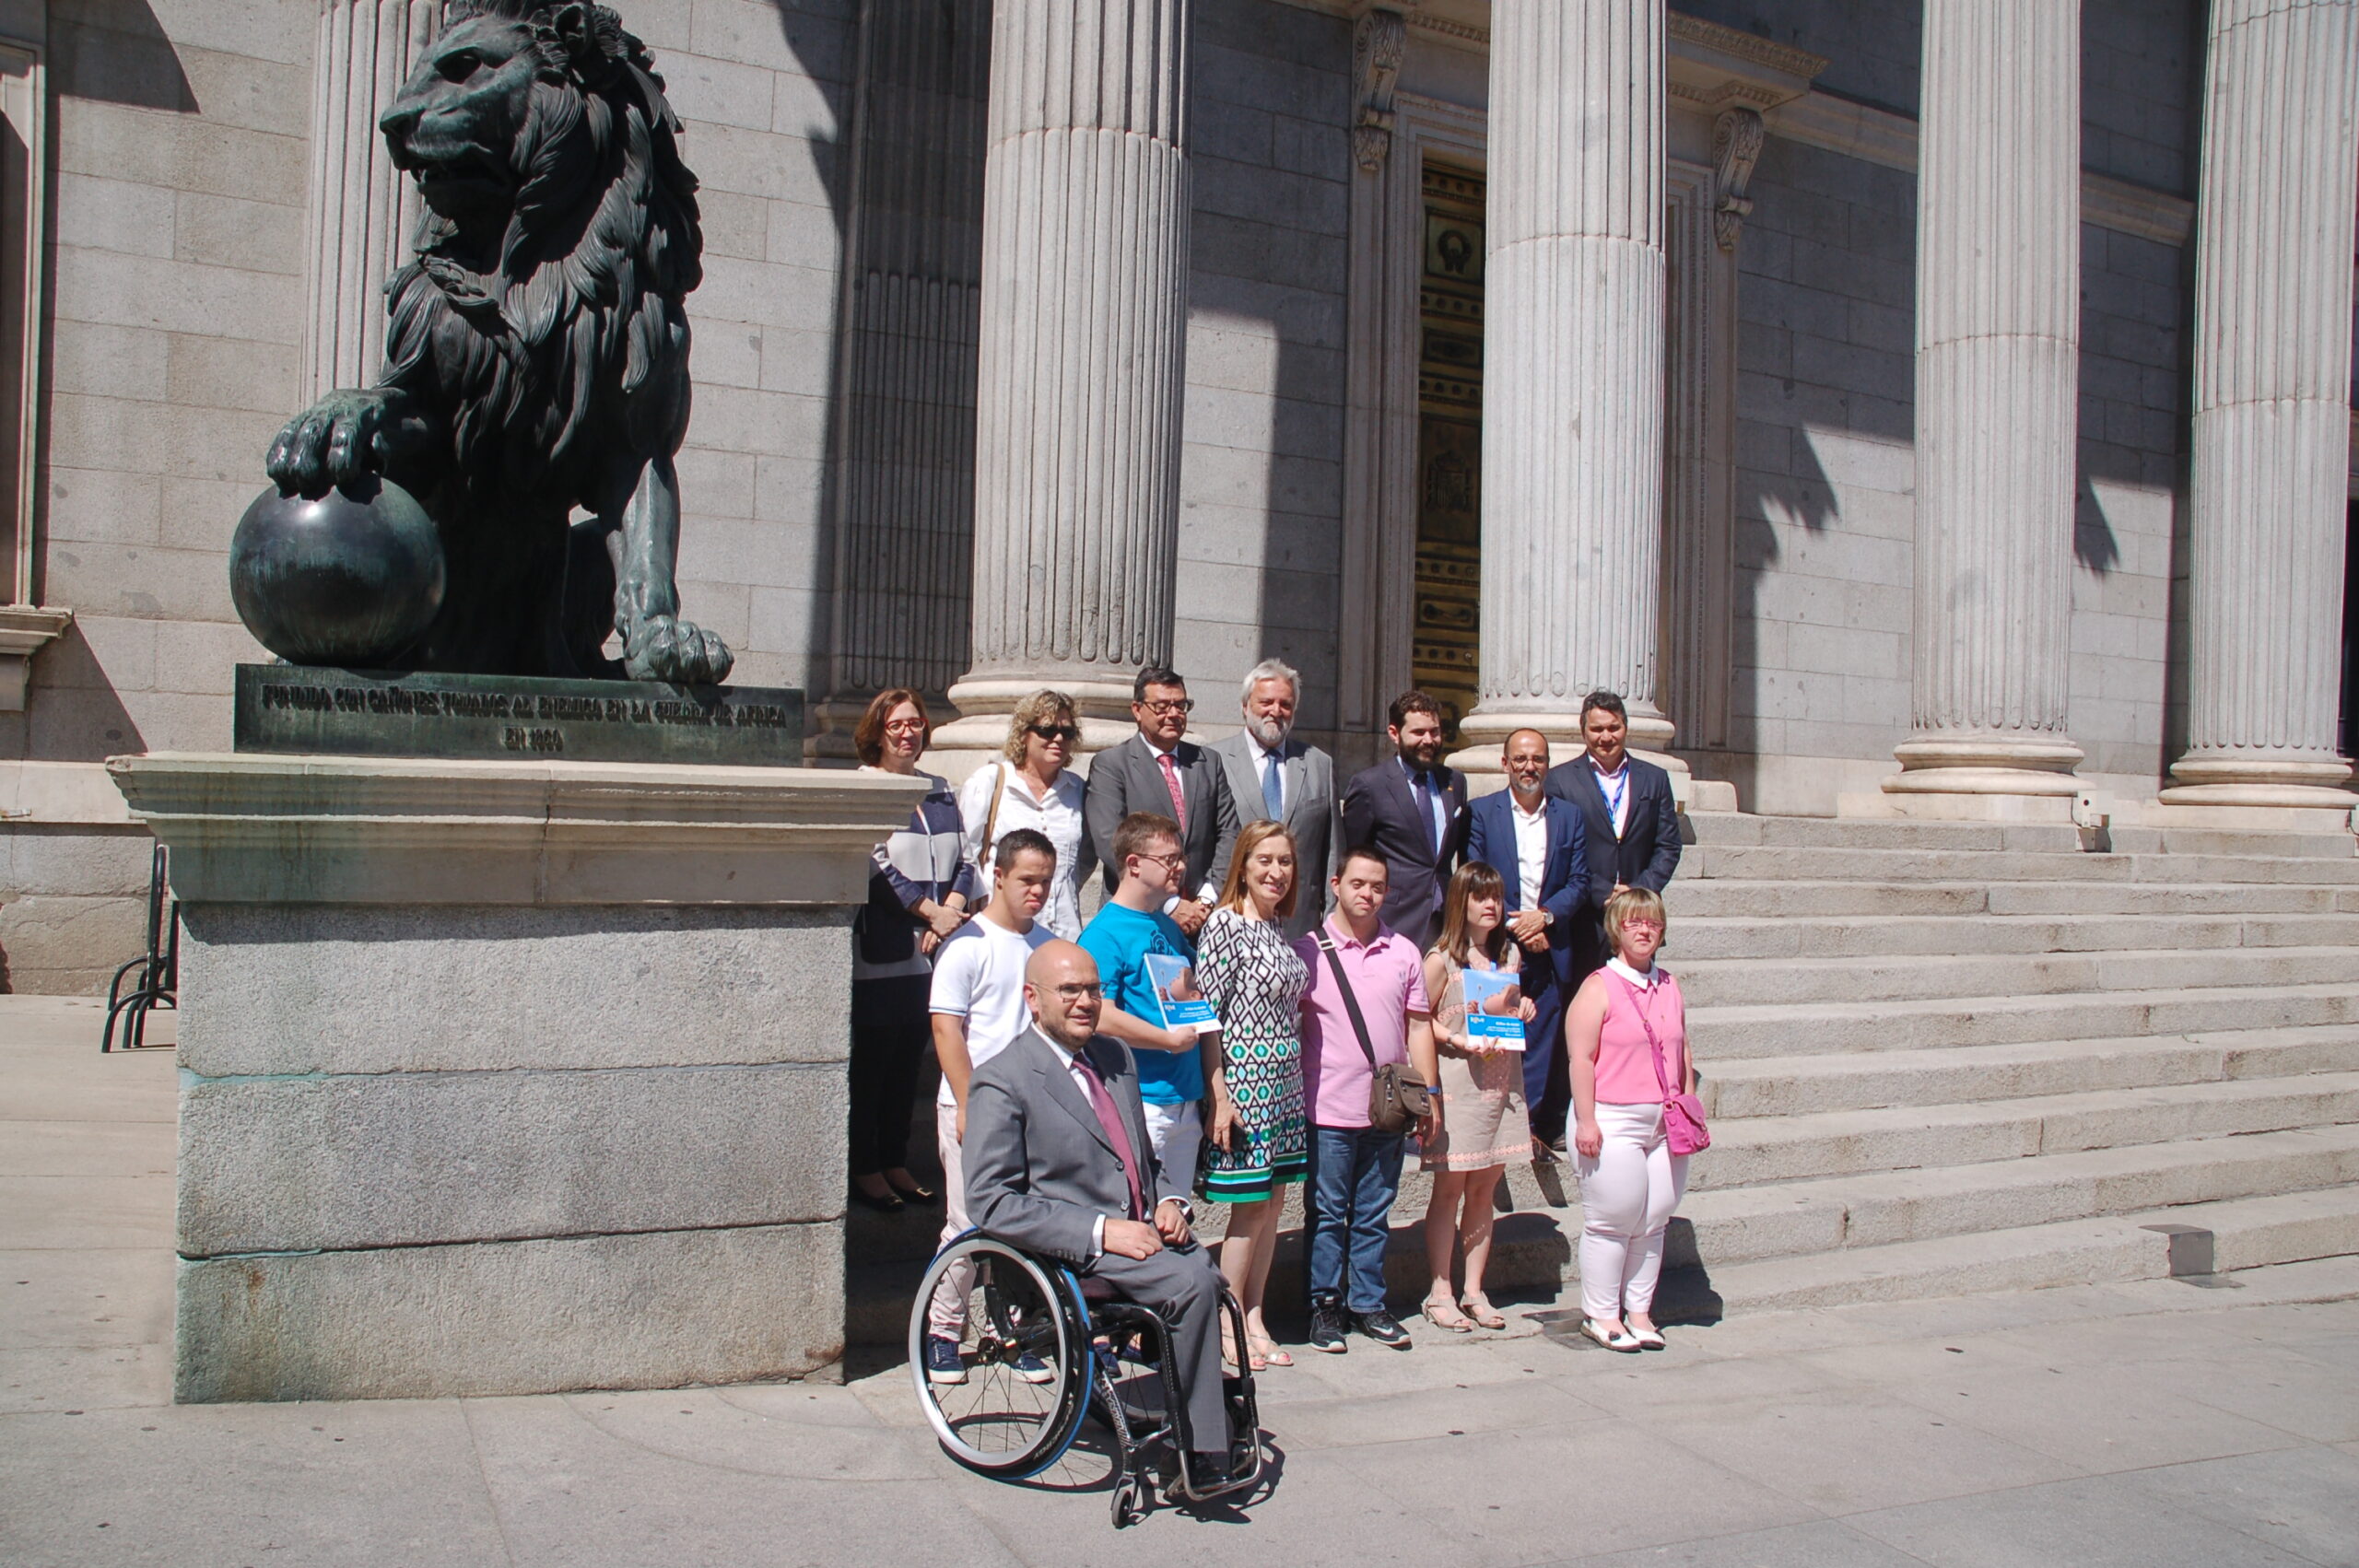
(1625,1023)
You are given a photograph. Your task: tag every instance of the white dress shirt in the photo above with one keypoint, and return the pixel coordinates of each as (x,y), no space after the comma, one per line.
(1616,787)
(1530,849)
(1058,816)
(1209,892)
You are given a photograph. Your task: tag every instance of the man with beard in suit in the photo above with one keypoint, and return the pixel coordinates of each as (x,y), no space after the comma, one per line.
(1275,777)
(1411,809)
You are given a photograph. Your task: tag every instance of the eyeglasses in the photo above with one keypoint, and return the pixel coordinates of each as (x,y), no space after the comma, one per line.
(905,726)
(1182,705)
(1078,993)
(1172,862)
(1644,922)
(1068,734)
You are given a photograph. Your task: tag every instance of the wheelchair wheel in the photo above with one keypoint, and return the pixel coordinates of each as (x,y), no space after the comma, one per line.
(1022,1381)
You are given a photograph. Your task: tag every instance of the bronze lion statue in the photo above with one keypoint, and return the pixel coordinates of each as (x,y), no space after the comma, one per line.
(536,350)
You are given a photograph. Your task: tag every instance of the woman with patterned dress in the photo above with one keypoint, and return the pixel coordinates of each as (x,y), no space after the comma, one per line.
(1260,1138)
(1483,1124)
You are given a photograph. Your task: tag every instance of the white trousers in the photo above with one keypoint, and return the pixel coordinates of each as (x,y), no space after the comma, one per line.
(947,1315)
(1628,1193)
(1178,1135)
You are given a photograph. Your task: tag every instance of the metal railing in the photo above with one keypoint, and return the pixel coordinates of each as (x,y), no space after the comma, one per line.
(157,969)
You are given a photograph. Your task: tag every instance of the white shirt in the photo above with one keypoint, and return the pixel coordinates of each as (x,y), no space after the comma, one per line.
(1059,817)
(979,975)
(1645,982)
(1530,848)
(1616,787)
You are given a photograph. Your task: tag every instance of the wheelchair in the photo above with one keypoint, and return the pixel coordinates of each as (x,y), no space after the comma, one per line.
(1042,1352)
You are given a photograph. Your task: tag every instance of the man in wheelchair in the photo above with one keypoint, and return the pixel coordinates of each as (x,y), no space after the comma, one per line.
(1059,1164)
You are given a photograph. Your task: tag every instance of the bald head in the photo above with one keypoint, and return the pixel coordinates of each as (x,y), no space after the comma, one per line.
(1062,988)
(1524,758)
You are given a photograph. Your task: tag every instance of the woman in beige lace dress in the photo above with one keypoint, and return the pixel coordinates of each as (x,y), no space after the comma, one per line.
(1482,1127)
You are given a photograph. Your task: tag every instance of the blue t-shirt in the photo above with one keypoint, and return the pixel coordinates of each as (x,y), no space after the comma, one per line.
(1119,939)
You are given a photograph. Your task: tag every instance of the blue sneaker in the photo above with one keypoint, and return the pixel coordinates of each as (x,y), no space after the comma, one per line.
(943,1363)
(1032,1369)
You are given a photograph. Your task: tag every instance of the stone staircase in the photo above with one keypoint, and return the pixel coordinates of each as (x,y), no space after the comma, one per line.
(1949,1057)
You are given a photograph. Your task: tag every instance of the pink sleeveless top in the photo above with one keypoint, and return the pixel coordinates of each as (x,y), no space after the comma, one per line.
(1626,1075)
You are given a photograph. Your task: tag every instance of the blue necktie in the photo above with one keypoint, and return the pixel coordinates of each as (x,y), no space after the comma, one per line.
(1273,795)
(1425,809)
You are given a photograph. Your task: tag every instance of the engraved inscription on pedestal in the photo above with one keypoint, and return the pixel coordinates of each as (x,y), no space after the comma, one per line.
(282,707)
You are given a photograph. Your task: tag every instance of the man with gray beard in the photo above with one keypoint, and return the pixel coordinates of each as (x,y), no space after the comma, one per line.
(1275,777)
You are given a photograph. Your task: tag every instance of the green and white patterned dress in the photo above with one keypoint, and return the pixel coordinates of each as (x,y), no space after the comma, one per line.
(1254,980)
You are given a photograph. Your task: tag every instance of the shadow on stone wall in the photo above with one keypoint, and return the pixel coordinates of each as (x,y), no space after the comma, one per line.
(116,52)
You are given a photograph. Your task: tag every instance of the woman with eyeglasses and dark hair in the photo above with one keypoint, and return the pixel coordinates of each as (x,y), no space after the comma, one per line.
(1030,786)
(918,892)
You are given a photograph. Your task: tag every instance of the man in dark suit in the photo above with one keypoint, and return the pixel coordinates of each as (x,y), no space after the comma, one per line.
(1537,844)
(1274,778)
(1411,810)
(1058,1163)
(1159,770)
(1632,823)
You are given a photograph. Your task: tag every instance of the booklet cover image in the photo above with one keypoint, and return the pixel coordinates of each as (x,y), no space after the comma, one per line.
(1176,992)
(1494,1006)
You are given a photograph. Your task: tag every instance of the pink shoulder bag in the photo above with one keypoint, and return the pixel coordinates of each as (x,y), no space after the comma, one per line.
(1682,1114)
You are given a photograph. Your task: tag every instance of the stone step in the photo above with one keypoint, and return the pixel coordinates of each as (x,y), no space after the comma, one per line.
(1762,862)
(1780,1086)
(1750,1032)
(1863,833)
(2247,1233)
(1762,981)
(2339,845)
(1753,1150)
(1855,936)
(1793,1219)
(1691,897)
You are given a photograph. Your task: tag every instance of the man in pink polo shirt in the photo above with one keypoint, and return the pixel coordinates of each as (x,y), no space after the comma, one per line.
(1354,1170)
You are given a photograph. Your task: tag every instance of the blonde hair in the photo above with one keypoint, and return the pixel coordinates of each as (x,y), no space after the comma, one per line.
(1629,902)
(1041,707)
(1251,836)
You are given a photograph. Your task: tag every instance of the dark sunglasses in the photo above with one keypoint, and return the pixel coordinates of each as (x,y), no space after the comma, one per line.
(1068,734)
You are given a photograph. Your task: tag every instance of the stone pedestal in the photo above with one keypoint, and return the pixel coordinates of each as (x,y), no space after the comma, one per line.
(509,1077)
(1998,333)
(1085,303)
(2272,430)
(1573,385)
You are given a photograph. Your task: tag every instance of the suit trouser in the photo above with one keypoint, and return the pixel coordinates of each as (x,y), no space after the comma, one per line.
(1548,1074)
(1183,1289)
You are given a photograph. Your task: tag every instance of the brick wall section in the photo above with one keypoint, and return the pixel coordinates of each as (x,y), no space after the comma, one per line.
(1262,472)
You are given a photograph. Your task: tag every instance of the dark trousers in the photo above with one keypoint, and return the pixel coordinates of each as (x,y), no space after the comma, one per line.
(890,1030)
(1183,1289)
(1355,1176)
(1547,1073)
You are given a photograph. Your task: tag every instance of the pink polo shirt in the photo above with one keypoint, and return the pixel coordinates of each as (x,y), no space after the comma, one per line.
(1389,978)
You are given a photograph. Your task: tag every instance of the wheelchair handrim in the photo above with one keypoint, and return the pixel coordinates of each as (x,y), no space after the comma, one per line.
(1062,1293)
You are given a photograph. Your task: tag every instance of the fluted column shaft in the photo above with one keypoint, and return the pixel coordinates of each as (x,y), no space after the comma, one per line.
(2273,385)
(1573,375)
(1085,294)
(361,209)
(1998,340)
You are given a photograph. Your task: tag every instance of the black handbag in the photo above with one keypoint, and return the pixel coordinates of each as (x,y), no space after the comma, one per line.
(1397,1098)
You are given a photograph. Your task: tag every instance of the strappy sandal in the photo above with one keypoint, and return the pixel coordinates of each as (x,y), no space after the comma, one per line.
(1267,1349)
(1442,1315)
(1253,1359)
(1484,1314)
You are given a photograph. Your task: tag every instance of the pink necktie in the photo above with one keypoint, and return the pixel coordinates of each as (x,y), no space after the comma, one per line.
(1171,782)
(1108,1118)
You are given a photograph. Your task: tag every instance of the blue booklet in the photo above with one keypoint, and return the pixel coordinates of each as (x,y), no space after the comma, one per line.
(1493,1007)
(1177,993)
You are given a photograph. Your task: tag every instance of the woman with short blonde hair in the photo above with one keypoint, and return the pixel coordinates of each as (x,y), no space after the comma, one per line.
(1032,784)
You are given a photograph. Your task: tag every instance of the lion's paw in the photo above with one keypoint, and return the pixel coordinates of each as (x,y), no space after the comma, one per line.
(664,648)
(335,441)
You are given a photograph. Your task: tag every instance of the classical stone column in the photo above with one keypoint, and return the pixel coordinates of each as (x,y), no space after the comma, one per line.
(357,226)
(1998,334)
(2273,379)
(1573,378)
(1084,297)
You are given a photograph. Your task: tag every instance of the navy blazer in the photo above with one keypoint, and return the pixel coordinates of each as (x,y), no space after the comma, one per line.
(1564,872)
(1381,812)
(1647,851)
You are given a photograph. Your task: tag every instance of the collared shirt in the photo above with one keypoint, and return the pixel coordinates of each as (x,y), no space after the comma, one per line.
(1209,892)
(1058,816)
(1530,848)
(1437,801)
(1645,982)
(1388,977)
(1615,787)
(1080,1077)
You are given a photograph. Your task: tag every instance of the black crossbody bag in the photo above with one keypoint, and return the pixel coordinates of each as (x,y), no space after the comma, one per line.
(1397,1098)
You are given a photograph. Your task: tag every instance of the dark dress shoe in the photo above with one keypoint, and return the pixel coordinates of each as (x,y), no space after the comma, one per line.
(889,1204)
(915,1192)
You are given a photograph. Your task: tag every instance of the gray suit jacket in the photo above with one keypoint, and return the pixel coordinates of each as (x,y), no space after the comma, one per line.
(1313,816)
(1040,1169)
(1125,778)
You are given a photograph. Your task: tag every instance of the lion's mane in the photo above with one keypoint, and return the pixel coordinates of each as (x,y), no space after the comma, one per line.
(583,308)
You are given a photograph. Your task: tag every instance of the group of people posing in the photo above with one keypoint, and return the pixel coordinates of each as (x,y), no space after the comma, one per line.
(1332,934)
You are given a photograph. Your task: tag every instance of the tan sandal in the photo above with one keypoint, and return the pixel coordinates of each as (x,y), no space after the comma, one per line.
(1438,1311)
(1267,1349)
(1484,1314)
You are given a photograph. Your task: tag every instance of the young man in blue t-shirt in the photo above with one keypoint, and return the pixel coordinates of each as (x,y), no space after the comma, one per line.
(1173,1065)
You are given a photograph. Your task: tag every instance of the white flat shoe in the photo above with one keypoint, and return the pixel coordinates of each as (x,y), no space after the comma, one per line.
(1624,1341)
(1647,1338)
